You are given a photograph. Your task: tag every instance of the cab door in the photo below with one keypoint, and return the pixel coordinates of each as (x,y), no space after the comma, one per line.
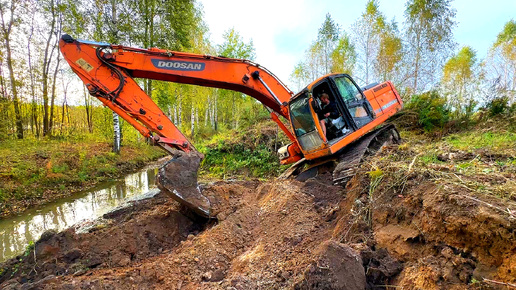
(356,103)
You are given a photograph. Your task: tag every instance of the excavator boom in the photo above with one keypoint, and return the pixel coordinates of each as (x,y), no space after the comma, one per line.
(108,71)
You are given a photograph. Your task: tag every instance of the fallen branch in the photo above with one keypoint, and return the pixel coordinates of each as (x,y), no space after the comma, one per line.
(499,283)
(509,212)
(412,163)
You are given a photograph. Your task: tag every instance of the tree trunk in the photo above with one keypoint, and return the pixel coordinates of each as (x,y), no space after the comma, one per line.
(175,114)
(34,106)
(212,112)
(62,117)
(149,36)
(192,121)
(7,29)
(216,114)
(17,114)
(197,117)
(207,113)
(52,102)
(417,57)
(180,114)
(47,59)
(116,120)
(116,137)
(87,107)
(65,108)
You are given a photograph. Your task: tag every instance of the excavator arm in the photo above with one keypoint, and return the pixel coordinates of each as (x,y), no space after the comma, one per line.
(108,72)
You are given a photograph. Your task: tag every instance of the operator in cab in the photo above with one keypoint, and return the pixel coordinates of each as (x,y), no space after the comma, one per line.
(329,110)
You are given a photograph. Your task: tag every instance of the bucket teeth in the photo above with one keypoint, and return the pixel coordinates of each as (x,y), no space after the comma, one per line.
(178,178)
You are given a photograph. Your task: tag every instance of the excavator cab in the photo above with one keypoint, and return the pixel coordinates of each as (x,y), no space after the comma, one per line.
(359,111)
(354,111)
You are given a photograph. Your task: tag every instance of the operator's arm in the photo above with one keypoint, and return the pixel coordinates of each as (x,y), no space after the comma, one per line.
(329,111)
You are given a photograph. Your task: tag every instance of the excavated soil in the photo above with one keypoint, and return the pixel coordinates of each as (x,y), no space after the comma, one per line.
(407,231)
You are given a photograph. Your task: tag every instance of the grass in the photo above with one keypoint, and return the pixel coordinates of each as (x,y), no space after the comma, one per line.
(468,141)
(480,160)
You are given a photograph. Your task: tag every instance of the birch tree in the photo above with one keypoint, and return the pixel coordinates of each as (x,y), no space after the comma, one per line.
(459,79)
(389,60)
(328,36)
(343,56)
(500,64)
(429,36)
(367,32)
(332,52)
(234,47)
(50,53)
(113,35)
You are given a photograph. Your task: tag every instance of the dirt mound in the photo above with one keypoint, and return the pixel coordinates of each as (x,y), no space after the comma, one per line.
(338,267)
(443,232)
(264,238)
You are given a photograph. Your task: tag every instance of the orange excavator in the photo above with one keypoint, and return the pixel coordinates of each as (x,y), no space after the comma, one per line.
(353,130)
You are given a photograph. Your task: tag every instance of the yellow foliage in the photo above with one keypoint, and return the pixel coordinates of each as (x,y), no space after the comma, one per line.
(375,174)
(403,147)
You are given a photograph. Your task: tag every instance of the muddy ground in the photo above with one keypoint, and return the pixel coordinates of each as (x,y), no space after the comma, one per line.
(406,227)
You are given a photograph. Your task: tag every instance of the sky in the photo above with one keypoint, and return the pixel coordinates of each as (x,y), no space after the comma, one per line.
(282,30)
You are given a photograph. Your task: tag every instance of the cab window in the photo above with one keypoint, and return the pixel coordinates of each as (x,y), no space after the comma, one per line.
(356,104)
(301,116)
(303,123)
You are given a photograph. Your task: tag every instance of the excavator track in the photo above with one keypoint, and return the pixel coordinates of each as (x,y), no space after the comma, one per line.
(348,161)
(369,144)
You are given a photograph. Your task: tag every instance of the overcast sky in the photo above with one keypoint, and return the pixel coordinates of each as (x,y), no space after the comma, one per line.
(282,30)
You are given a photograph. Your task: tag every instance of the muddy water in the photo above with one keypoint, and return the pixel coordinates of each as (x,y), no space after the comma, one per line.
(16,232)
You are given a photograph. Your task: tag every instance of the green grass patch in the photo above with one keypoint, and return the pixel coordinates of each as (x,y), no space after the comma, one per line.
(430,158)
(468,141)
(247,153)
(60,168)
(240,161)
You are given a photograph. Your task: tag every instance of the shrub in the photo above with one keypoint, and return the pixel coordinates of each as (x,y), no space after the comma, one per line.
(498,106)
(247,153)
(236,159)
(431,110)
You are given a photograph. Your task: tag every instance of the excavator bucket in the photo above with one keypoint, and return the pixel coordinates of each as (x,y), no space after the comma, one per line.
(178,178)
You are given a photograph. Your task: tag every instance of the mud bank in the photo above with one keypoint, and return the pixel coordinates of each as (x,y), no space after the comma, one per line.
(283,235)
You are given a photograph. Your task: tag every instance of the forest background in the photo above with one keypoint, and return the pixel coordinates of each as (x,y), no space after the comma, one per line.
(41,100)
(40,96)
